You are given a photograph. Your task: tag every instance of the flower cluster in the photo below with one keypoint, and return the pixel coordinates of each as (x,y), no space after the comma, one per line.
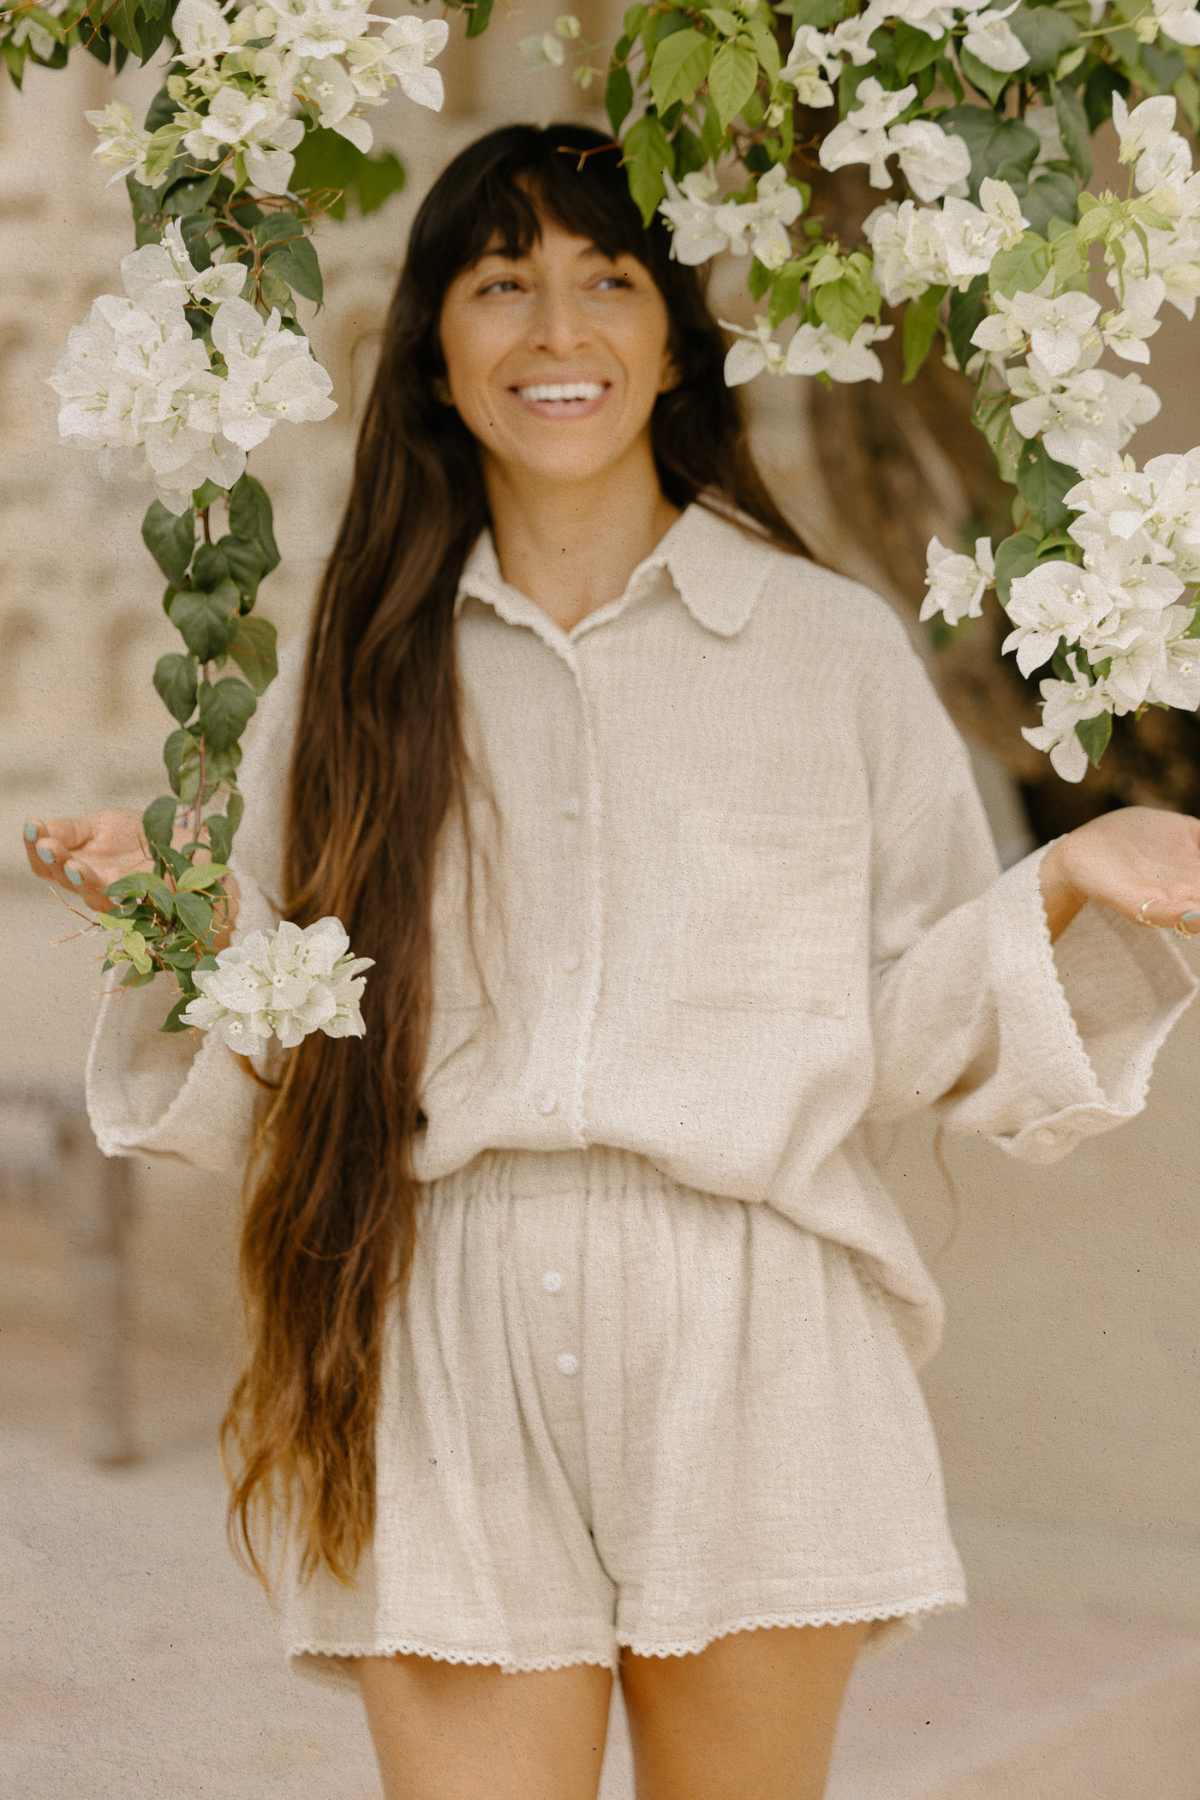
(137,382)
(703,226)
(283,985)
(250,70)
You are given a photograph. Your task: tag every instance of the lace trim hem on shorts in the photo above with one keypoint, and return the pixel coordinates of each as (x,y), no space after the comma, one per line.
(842,1615)
(518,1664)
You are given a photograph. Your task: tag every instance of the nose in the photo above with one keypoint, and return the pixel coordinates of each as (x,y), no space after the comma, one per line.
(557,322)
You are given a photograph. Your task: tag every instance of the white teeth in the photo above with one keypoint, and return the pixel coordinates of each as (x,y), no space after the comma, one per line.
(577,390)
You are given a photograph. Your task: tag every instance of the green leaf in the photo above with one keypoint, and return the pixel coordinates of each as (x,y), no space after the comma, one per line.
(1094,734)
(254,651)
(646,153)
(967,311)
(205,495)
(786,290)
(251,518)
(121,21)
(920,327)
(481,12)
(325,159)
(1022,267)
(989,81)
(181,754)
(727,23)
(1074,129)
(175,682)
(1042,482)
(297,265)
(1054,195)
(818,12)
(680,64)
(211,566)
(158,820)
(1015,556)
(766,47)
(712,132)
(201,876)
(195,912)
(170,538)
(1002,148)
(731,80)
(618,97)
(1045,31)
(993,416)
(220,836)
(189,196)
(1187,92)
(225,706)
(245,563)
(206,621)
(914,49)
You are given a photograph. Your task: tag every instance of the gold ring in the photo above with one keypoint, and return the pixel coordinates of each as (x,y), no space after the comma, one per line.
(1180,931)
(1143,920)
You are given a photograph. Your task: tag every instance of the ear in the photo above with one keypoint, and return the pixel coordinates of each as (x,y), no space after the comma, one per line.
(671,374)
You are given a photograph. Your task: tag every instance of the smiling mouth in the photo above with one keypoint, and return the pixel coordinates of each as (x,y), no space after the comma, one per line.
(563,409)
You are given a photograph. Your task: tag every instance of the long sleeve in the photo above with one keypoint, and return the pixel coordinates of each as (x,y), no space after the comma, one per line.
(1031,1044)
(181,1095)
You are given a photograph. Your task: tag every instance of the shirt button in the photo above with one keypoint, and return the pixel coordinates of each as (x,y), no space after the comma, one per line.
(552,1281)
(571,807)
(568,1363)
(547,1102)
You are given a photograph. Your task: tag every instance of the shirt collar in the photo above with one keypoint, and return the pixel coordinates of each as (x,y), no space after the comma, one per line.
(718,571)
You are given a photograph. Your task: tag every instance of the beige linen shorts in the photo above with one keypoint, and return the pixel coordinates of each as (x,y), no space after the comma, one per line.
(618,1410)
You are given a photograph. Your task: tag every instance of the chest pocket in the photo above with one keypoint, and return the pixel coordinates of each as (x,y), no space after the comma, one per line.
(768,910)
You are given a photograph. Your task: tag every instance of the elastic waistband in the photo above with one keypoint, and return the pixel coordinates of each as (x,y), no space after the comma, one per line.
(521,1172)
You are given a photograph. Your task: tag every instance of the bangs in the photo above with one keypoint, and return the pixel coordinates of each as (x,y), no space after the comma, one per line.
(538,174)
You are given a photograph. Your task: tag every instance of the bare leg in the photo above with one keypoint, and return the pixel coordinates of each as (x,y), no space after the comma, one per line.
(752,1716)
(469,1731)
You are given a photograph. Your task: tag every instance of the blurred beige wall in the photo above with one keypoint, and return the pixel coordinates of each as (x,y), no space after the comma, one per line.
(1066,1393)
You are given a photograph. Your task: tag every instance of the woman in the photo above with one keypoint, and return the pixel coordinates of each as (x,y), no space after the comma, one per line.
(582,1323)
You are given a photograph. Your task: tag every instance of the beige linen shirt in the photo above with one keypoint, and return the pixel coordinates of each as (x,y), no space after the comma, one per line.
(754,910)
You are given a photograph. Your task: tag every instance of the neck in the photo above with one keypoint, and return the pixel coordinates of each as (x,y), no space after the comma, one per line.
(572,547)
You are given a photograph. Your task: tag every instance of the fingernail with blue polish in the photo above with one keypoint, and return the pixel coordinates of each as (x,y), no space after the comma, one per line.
(30,831)
(46,853)
(75,876)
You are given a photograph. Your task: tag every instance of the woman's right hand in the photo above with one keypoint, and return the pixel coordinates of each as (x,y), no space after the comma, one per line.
(103,846)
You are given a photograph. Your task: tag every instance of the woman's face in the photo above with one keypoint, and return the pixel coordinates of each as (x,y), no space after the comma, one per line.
(565,312)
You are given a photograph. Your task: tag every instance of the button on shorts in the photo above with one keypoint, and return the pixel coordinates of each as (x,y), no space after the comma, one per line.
(617,1410)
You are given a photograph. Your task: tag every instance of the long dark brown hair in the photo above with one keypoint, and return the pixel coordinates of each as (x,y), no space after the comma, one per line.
(330,1200)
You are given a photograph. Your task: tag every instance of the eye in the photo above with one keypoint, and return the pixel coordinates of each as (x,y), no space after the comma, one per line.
(507,281)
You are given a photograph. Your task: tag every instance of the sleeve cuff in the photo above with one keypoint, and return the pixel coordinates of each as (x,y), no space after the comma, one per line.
(177,1095)
(1082,1018)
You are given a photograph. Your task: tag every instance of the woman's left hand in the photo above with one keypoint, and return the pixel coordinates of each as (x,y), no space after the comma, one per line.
(1136,854)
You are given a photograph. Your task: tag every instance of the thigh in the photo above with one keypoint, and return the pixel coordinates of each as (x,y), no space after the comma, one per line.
(471,1731)
(754,1714)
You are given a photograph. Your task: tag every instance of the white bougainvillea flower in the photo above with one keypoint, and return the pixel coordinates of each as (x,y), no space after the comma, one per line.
(992,39)
(757,350)
(1147,124)
(1167,162)
(1054,600)
(282,984)
(1000,332)
(162,276)
(250,124)
(272,374)
(203,32)
(1066,704)
(933,162)
(970,239)
(862,135)
(326,86)
(123,145)
(1178,20)
(688,209)
(907,247)
(1125,331)
(759,227)
(400,56)
(811,65)
(1000,207)
(819,350)
(317,28)
(955,582)
(1058,324)
(933,17)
